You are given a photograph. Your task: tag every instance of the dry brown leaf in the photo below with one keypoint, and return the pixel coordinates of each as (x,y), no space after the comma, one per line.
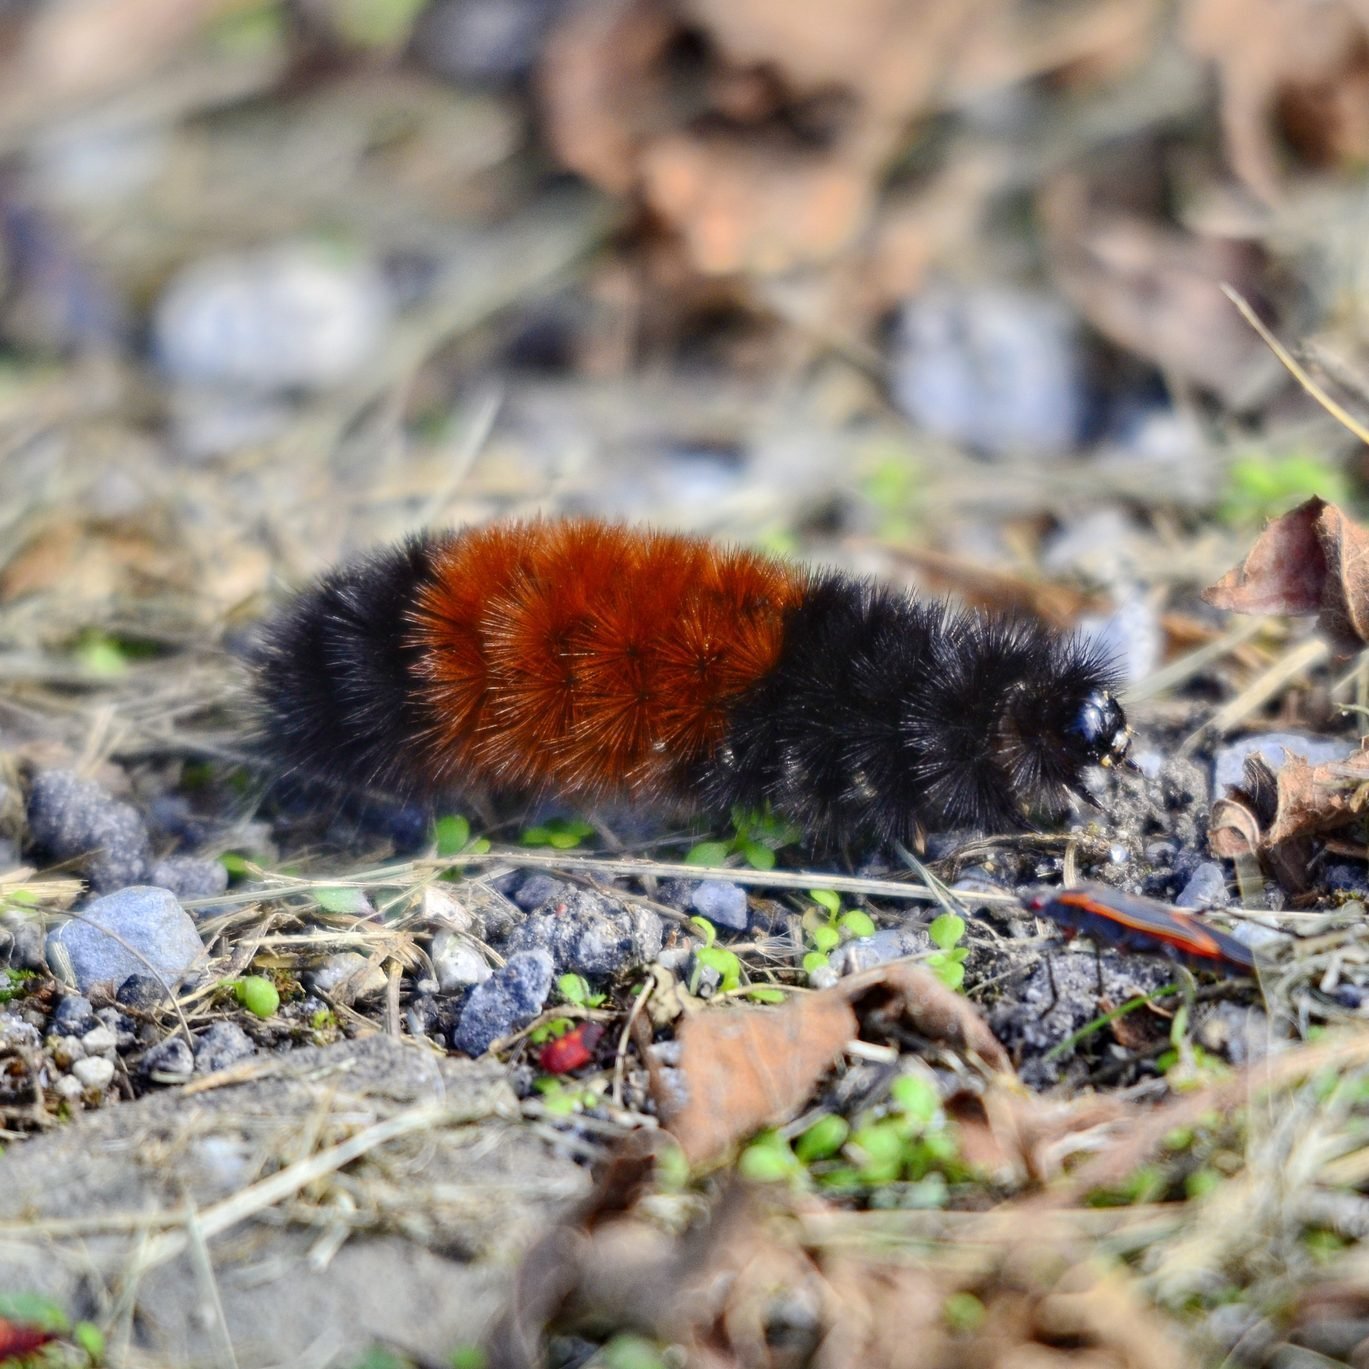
(1313,559)
(1156,290)
(747,1068)
(1292,73)
(775,161)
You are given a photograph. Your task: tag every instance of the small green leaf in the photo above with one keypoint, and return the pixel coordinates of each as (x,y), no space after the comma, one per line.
(36,1310)
(257,994)
(946,930)
(709,931)
(725,962)
(563,841)
(814,961)
(826,937)
(916,1098)
(707,853)
(90,1338)
(469,1357)
(857,923)
(949,970)
(235,864)
(574,989)
(535,836)
(768,1159)
(451,834)
(828,898)
(757,855)
(765,993)
(478,847)
(341,899)
(823,1139)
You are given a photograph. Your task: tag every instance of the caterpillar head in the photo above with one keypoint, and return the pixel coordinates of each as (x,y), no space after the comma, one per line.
(1098,734)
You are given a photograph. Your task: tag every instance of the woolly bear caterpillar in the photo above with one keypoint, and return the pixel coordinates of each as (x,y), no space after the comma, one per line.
(595,661)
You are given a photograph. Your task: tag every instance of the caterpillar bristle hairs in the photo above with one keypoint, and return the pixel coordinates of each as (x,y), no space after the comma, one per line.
(596,662)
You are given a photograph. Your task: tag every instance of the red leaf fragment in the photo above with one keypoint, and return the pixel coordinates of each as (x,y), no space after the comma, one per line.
(569,1052)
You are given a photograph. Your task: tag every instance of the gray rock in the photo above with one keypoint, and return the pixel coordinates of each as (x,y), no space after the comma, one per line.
(538,888)
(99,1041)
(483,40)
(1206,888)
(456,962)
(141,992)
(146,920)
(172,1056)
(592,936)
(24,933)
(349,973)
(890,943)
(190,876)
(508,1000)
(221,1045)
(73,1016)
(18,1035)
(1229,764)
(280,318)
(994,368)
(722,903)
(74,821)
(94,1072)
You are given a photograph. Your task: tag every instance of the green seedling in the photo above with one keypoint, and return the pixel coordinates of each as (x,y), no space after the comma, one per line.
(550,1030)
(561,834)
(345,900)
(947,962)
(827,925)
(1261,486)
(574,988)
(451,836)
(710,956)
(15,984)
(756,837)
(257,994)
(563,1099)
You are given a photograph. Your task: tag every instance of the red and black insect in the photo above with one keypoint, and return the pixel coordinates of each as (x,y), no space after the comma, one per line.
(1131,923)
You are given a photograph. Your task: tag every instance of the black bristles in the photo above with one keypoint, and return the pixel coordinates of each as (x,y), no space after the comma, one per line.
(886,715)
(338,700)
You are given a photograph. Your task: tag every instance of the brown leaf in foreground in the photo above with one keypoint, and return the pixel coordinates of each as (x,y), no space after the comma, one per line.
(747,1068)
(1313,559)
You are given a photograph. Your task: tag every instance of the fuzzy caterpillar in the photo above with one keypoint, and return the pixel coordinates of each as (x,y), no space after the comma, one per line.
(599,662)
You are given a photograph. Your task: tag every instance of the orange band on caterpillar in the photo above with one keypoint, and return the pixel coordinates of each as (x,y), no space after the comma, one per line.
(595,661)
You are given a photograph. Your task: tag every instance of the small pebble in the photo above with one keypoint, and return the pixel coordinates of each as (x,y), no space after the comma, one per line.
(589,934)
(73,821)
(538,888)
(147,920)
(99,1041)
(68,1087)
(994,368)
(349,973)
(891,943)
(94,1072)
(120,1024)
(66,1051)
(141,992)
(172,1056)
(456,962)
(73,1015)
(508,1000)
(1206,888)
(190,876)
(280,318)
(221,1045)
(722,903)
